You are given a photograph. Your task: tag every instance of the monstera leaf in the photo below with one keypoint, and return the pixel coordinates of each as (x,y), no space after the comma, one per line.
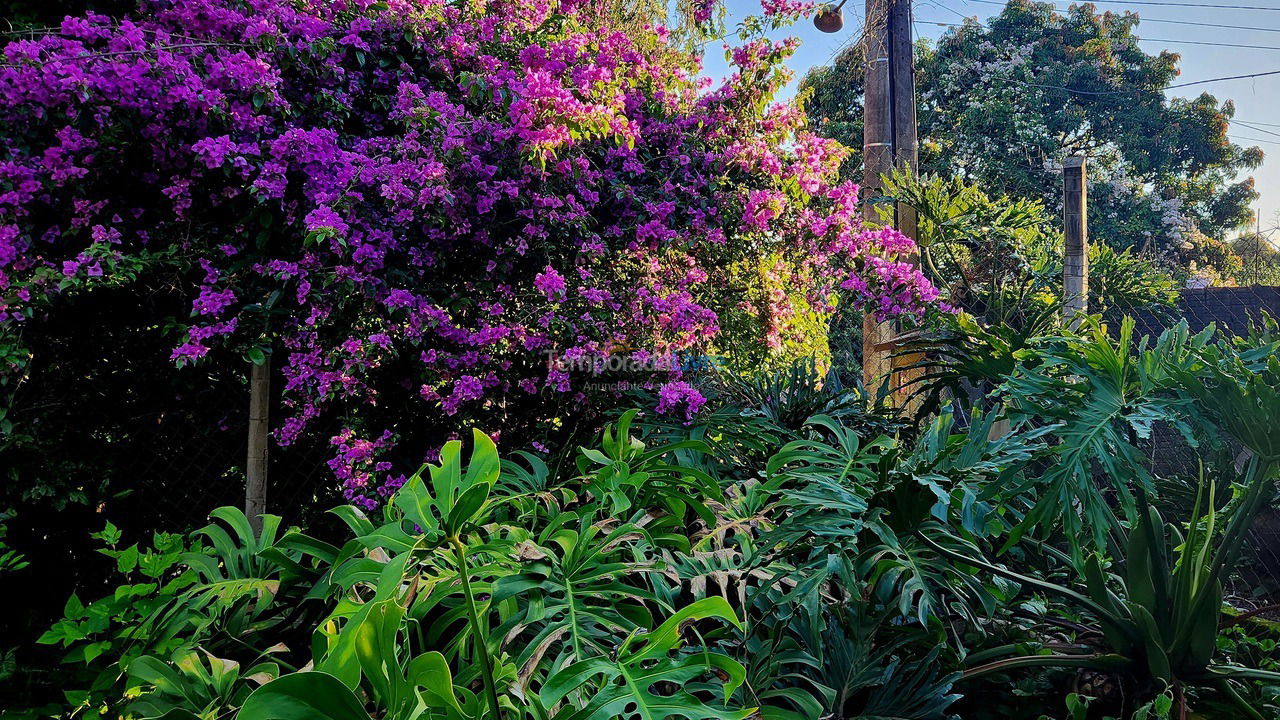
(454,499)
(572,598)
(303,696)
(625,474)
(844,458)
(1094,392)
(433,552)
(650,677)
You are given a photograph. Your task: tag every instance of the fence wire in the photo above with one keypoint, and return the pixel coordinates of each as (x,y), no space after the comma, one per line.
(103,427)
(1171,460)
(1232,310)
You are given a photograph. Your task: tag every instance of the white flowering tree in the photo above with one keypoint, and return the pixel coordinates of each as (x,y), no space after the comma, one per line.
(1003,103)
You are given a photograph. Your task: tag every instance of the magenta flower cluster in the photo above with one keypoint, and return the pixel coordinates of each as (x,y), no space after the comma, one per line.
(449,188)
(679,397)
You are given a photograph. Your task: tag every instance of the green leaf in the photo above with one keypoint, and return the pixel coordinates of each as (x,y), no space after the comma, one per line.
(624,687)
(303,696)
(466,508)
(452,500)
(346,657)
(572,596)
(127,560)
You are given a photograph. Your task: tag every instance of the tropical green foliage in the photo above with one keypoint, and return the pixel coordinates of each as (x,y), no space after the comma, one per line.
(1159,619)
(1001,258)
(747,562)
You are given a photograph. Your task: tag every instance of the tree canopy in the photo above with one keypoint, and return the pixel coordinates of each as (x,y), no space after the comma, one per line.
(1003,103)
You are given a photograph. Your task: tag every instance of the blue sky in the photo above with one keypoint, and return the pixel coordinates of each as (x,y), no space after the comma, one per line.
(1257,99)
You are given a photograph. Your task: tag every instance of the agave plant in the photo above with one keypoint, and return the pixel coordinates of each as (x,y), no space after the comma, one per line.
(1161,615)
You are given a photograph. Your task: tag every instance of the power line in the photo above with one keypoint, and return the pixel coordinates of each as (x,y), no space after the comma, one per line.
(1249,139)
(1255,128)
(1119,92)
(1164,20)
(1165,4)
(1146,39)
(1230,77)
(1203,24)
(1202,42)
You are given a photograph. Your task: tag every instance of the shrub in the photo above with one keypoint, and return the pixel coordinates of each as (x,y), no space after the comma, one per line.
(740,562)
(412,203)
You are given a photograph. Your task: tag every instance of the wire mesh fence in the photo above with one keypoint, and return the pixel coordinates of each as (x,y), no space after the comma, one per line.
(1231,310)
(204,466)
(103,426)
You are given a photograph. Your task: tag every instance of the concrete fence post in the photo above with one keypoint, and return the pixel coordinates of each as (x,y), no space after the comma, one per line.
(1075,227)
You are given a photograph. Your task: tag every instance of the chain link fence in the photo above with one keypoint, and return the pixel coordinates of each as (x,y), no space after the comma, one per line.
(204,466)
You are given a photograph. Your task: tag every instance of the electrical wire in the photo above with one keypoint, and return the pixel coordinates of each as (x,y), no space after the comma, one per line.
(1123,92)
(1163,4)
(1160,20)
(1255,128)
(1203,24)
(1249,139)
(1149,39)
(1229,77)
(1203,42)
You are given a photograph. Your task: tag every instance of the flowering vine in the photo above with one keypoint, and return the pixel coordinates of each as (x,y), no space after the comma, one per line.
(416,199)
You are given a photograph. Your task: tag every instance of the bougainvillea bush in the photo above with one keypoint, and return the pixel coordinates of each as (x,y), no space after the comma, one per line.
(412,205)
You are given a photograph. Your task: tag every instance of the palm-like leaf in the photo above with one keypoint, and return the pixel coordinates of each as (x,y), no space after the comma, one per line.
(572,597)
(1100,401)
(627,474)
(625,685)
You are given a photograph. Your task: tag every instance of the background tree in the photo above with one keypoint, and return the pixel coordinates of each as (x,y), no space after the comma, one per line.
(690,23)
(1004,103)
(1259,259)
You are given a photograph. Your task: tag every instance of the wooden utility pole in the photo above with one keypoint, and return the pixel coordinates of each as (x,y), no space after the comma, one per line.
(888,141)
(255,488)
(1258,239)
(1075,228)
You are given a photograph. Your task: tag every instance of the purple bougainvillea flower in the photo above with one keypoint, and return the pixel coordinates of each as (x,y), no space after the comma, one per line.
(414,185)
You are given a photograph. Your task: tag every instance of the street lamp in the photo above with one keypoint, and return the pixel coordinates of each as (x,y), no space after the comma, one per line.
(829,18)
